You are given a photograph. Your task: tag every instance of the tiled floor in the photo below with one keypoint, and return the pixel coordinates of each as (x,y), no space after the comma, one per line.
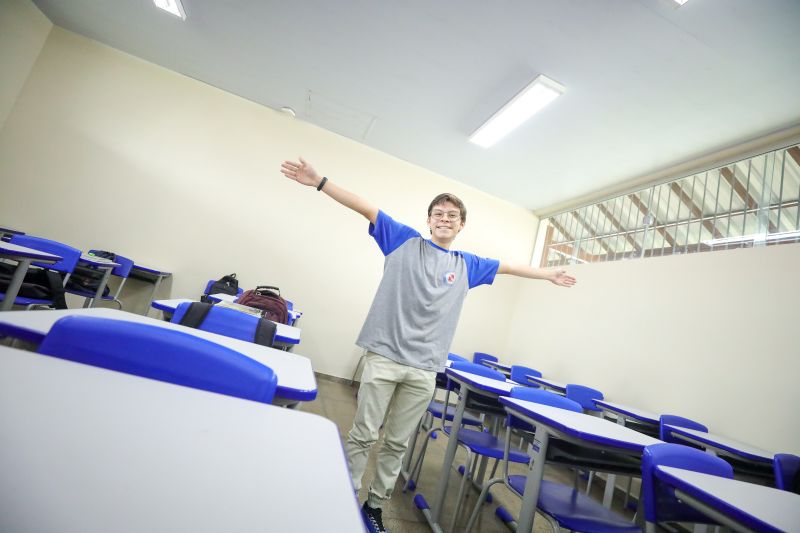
(337,402)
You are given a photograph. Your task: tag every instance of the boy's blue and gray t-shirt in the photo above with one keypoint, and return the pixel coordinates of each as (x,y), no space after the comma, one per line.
(415,312)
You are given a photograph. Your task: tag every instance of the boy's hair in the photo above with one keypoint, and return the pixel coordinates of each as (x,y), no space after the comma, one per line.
(453,199)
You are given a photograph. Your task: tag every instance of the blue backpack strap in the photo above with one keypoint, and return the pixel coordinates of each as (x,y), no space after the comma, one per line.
(195,314)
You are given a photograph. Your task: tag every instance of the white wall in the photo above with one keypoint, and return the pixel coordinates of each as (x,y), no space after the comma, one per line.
(709,336)
(23,30)
(108,151)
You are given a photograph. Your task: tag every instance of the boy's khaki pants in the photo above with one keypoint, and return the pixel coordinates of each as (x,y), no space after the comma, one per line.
(381,381)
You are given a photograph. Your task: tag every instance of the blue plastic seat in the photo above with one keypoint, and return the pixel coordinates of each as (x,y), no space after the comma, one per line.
(122,272)
(69,258)
(519,375)
(787,472)
(660,503)
(675,420)
(227,322)
(585,396)
(563,506)
(479,357)
(160,354)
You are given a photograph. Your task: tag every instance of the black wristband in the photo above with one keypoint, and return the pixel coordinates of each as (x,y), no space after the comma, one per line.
(322,183)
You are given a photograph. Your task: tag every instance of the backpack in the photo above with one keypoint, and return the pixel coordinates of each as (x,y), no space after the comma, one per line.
(86,279)
(225,285)
(269,300)
(39,284)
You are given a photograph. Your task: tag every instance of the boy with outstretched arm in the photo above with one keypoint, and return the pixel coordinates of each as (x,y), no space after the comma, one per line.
(410,325)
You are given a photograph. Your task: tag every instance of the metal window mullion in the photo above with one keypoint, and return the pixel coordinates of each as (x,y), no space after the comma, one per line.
(703,213)
(628,232)
(618,218)
(655,217)
(716,206)
(689,219)
(780,193)
(666,222)
(730,208)
(606,222)
(746,196)
(766,194)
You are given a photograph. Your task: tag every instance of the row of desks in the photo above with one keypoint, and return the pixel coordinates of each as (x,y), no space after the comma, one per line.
(24,256)
(763,506)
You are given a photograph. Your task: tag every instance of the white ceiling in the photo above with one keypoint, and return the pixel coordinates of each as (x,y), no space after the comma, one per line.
(648,85)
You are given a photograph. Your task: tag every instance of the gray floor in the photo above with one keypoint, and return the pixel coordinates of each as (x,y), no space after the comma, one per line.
(337,402)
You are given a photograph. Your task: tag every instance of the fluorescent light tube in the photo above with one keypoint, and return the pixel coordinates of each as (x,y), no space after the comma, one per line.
(755,237)
(523,106)
(173,7)
(680,2)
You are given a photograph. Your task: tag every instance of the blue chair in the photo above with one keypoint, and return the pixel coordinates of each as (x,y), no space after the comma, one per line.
(161,354)
(585,396)
(519,373)
(660,503)
(444,411)
(787,472)
(466,366)
(122,272)
(561,505)
(479,357)
(675,420)
(225,321)
(69,258)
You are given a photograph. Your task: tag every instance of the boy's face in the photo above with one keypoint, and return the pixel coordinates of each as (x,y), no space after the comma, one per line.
(445,223)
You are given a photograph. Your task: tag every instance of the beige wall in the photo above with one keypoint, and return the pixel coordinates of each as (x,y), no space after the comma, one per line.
(23,30)
(709,336)
(123,155)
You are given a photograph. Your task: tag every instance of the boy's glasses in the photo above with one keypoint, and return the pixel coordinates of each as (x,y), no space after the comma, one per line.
(452,216)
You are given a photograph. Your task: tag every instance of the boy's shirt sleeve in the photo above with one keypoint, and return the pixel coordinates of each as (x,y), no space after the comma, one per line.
(480,270)
(390,234)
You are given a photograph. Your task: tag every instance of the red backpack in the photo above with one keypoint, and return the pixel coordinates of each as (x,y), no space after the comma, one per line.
(269,300)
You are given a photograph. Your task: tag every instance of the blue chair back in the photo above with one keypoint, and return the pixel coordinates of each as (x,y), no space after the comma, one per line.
(479,357)
(675,420)
(787,472)
(660,504)
(69,255)
(472,368)
(124,268)
(519,373)
(539,396)
(158,353)
(455,357)
(584,396)
(224,321)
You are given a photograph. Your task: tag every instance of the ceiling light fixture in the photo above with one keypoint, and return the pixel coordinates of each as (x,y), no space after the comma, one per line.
(680,2)
(173,7)
(523,106)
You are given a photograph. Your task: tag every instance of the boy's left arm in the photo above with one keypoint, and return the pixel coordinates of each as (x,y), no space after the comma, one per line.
(557,277)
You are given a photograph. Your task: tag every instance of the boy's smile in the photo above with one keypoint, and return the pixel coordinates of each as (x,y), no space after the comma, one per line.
(445,223)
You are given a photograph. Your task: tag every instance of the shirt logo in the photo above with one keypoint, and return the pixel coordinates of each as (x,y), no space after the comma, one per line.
(450,278)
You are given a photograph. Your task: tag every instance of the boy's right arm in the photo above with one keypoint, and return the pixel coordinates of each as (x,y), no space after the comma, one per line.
(305,174)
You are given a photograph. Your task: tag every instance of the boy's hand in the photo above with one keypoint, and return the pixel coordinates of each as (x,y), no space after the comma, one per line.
(301,172)
(562,279)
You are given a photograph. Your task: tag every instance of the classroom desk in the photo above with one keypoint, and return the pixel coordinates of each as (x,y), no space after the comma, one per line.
(296,382)
(500,367)
(88,450)
(294,314)
(744,454)
(23,256)
(548,384)
(644,421)
(105,266)
(470,384)
(585,430)
(738,505)
(283,333)
(150,275)
(6,233)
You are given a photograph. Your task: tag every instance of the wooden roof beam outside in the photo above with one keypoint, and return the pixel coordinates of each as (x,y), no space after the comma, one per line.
(697,213)
(643,209)
(742,192)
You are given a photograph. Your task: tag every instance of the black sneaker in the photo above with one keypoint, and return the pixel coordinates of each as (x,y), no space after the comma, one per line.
(372,517)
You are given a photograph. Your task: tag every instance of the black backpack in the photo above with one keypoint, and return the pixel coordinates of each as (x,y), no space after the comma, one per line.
(225,285)
(39,284)
(86,279)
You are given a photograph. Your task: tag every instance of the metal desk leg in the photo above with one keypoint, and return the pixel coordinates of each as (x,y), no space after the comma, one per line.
(611,479)
(16,283)
(89,302)
(533,483)
(156,285)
